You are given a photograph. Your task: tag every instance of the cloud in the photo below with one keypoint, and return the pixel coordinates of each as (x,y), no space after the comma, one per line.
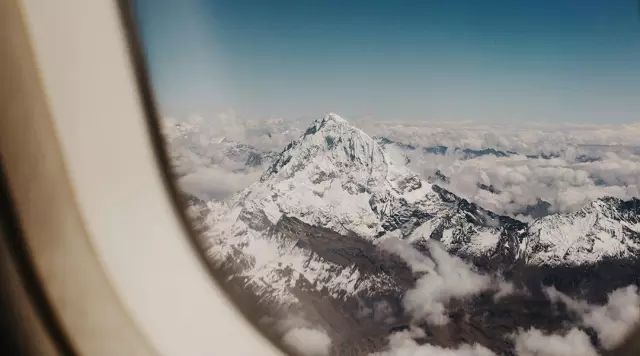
(523,138)
(613,321)
(209,157)
(298,334)
(590,161)
(414,258)
(536,343)
(451,278)
(504,289)
(444,277)
(403,344)
(215,183)
(521,182)
(265,134)
(307,341)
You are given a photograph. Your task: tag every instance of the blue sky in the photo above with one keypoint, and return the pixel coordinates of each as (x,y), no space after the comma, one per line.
(487,61)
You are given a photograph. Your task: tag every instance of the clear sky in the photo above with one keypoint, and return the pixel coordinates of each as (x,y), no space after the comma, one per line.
(522,61)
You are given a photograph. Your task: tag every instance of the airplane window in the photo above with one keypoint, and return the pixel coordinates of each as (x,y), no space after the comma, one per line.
(409,177)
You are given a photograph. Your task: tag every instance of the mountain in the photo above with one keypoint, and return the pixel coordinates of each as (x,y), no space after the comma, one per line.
(193,146)
(207,166)
(305,238)
(337,177)
(460,153)
(608,228)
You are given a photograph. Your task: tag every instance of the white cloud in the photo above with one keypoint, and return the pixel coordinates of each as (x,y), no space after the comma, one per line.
(215,182)
(452,278)
(267,135)
(307,341)
(298,334)
(403,344)
(536,343)
(504,289)
(416,260)
(523,138)
(520,182)
(209,157)
(613,321)
(445,277)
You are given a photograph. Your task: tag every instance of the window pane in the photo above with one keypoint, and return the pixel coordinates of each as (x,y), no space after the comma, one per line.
(410,177)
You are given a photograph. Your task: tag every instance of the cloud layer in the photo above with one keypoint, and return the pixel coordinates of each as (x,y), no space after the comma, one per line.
(613,321)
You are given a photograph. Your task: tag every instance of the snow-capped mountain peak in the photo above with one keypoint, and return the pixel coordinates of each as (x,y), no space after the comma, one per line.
(333,145)
(336,175)
(334,118)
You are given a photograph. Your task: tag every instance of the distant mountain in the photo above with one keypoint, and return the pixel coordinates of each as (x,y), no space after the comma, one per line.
(192,147)
(246,155)
(461,153)
(608,228)
(305,237)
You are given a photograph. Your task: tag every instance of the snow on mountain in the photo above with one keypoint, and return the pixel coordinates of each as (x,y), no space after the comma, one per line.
(336,176)
(608,228)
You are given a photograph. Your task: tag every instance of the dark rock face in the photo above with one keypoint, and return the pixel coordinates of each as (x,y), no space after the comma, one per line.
(359,324)
(471,153)
(489,188)
(345,251)
(383,141)
(544,156)
(405,219)
(436,150)
(539,209)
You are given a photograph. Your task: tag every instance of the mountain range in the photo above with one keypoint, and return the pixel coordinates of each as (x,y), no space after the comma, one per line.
(310,238)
